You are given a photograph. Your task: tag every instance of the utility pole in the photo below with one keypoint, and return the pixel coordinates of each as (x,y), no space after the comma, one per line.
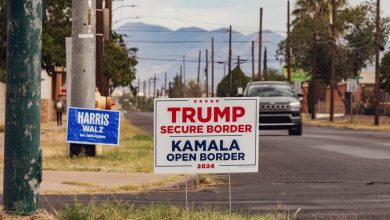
(181,82)
(22,154)
(154,86)
(198,78)
(253,61)
(224,69)
(138,91)
(288,50)
(149,88)
(207,73)
(239,66)
(260,44)
(101,80)
(314,75)
(230,62)
(212,67)
(333,60)
(170,89)
(144,88)
(184,74)
(165,85)
(83,63)
(265,67)
(377,56)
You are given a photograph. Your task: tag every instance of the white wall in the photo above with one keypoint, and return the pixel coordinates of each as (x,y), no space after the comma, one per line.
(2,103)
(45,86)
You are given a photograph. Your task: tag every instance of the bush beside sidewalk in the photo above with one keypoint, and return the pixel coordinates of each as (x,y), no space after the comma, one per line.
(359,122)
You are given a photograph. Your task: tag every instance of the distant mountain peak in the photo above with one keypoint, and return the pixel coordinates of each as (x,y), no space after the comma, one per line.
(191,29)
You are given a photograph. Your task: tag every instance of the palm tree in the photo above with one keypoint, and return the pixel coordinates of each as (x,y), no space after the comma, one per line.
(317,8)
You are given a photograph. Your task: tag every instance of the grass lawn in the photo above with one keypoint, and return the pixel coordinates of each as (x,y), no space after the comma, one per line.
(129,211)
(135,153)
(120,211)
(360,122)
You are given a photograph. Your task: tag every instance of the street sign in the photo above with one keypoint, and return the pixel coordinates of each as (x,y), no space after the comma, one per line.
(352,85)
(206,135)
(91,126)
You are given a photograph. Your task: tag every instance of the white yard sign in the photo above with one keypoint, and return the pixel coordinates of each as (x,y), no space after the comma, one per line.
(352,85)
(206,135)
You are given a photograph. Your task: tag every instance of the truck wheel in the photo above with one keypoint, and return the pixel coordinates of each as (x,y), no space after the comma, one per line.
(296,131)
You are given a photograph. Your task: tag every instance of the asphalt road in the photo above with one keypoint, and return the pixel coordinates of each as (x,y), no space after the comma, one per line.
(325,172)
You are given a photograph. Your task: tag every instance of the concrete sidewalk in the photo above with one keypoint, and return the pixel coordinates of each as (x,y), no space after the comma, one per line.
(70,182)
(67,182)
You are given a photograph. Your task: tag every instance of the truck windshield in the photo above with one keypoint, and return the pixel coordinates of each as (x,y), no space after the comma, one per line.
(270,90)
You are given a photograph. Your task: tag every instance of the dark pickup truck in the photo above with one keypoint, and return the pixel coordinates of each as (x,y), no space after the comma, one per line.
(280,106)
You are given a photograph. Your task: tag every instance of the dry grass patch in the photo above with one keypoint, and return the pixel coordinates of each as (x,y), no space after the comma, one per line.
(41,214)
(360,122)
(118,210)
(135,153)
(94,188)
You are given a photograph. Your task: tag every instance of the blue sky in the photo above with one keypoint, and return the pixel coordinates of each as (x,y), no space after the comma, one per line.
(212,14)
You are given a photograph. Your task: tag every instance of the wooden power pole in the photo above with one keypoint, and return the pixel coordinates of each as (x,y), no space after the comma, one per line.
(260,44)
(333,60)
(207,73)
(198,78)
(288,49)
(212,67)
(377,61)
(314,78)
(230,62)
(253,61)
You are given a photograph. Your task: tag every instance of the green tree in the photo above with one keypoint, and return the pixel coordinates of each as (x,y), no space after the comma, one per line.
(176,87)
(265,65)
(273,75)
(239,79)
(385,72)
(193,89)
(355,48)
(56,26)
(119,62)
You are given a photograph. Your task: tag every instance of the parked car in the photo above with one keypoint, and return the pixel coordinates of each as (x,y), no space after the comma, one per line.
(280,106)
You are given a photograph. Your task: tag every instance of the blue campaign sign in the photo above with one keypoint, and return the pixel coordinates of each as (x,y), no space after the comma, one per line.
(91,126)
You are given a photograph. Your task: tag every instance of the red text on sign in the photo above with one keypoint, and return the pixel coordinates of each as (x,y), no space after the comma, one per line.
(208,114)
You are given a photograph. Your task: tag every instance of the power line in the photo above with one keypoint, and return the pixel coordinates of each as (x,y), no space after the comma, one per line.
(179,60)
(183,31)
(190,42)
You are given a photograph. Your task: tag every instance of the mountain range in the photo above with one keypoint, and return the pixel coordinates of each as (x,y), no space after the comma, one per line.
(161,50)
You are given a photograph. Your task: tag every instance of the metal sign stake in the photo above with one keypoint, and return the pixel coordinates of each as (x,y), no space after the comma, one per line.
(230,196)
(351,103)
(186,195)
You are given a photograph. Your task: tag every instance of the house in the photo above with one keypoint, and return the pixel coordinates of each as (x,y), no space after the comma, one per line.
(50,88)
(362,99)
